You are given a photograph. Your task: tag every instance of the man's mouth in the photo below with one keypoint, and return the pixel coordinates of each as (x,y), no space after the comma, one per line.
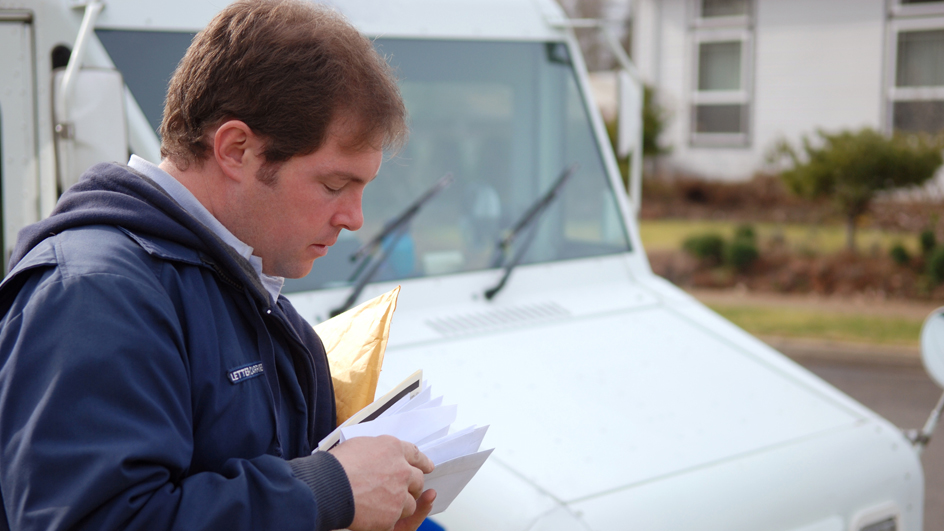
(320,248)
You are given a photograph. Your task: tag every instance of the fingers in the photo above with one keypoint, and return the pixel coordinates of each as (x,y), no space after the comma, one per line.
(386,476)
(416,458)
(424,505)
(409,506)
(420,465)
(415,487)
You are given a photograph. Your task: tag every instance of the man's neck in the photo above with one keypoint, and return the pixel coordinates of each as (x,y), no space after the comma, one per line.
(193,205)
(197,179)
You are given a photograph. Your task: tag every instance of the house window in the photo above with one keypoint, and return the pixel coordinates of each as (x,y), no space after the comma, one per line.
(913,8)
(719,66)
(721,95)
(916,72)
(723,8)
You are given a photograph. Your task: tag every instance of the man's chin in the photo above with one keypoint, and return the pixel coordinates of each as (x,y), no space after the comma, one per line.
(300,272)
(298,269)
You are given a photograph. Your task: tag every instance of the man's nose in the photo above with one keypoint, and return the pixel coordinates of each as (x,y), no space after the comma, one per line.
(351,216)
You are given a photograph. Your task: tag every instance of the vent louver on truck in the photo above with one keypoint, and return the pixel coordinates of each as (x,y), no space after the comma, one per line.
(885,525)
(498,319)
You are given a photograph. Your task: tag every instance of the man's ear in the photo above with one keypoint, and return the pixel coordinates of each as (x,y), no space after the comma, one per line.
(238,151)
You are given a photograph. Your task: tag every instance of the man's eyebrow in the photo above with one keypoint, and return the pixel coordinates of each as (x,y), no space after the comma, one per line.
(348,176)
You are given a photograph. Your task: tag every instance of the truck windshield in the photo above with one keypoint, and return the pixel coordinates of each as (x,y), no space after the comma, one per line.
(505,118)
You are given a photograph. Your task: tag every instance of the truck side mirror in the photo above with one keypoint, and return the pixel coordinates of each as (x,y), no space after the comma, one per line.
(932,353)
(93,129)
(932,345)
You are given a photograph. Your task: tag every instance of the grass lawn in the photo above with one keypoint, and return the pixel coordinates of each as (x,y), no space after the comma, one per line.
(799,321)
(806,323)
(668,234)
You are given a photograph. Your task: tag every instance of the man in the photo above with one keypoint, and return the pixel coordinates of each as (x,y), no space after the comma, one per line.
(151,376)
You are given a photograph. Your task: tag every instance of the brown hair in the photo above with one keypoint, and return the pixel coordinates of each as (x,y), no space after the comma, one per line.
(287,69)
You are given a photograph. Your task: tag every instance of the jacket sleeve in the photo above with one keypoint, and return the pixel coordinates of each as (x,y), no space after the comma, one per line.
(96,427)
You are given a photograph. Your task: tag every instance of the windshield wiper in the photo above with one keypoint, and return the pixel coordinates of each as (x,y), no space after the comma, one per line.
(530,216)
(385,242)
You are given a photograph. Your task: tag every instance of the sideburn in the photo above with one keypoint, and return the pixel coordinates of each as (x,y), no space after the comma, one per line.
(268,173)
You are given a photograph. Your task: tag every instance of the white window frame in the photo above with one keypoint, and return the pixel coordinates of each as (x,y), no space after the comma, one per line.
(894,93)
(699,21)
(899,9)
(742,96)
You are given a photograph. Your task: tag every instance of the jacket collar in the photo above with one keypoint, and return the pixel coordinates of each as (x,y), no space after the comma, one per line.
(113,194)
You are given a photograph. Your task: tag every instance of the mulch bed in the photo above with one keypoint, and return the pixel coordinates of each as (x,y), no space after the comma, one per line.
(839,274)
(765,199)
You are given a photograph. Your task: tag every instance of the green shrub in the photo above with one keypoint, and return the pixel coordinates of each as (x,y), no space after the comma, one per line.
(936,266)
(708,247)
(745,233)
(899,254)
(741,253)
(850,167)
(928,241)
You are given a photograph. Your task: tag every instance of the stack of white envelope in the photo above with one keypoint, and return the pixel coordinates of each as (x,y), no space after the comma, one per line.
(409,413)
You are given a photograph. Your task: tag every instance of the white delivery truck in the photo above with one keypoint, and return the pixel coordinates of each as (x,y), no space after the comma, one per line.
(615,400)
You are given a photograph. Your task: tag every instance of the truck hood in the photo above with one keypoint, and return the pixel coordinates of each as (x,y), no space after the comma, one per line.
(597,388)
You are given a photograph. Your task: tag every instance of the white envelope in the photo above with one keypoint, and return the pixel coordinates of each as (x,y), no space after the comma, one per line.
(449,478)
(461,443)
(413,426)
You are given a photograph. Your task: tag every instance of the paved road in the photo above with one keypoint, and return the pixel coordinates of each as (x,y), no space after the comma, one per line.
(904,395)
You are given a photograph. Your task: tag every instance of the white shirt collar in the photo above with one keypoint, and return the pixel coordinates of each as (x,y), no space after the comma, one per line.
(189,202)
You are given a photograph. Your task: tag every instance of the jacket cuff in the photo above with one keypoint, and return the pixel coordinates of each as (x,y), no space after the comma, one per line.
(334,499)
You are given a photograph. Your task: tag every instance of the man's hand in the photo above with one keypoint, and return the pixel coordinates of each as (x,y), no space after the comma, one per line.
(424,504)
(386,476)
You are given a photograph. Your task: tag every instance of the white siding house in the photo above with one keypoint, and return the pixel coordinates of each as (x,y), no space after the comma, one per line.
(737,75)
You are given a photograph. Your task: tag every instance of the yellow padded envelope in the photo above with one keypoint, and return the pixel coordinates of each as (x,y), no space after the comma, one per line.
(355,342)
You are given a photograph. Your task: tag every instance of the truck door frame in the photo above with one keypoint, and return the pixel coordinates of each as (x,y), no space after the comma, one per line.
(19,154)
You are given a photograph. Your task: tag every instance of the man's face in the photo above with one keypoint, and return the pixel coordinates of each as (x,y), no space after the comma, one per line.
(293,221)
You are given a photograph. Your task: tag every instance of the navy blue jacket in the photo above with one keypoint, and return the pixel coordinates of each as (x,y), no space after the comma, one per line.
(147,380)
